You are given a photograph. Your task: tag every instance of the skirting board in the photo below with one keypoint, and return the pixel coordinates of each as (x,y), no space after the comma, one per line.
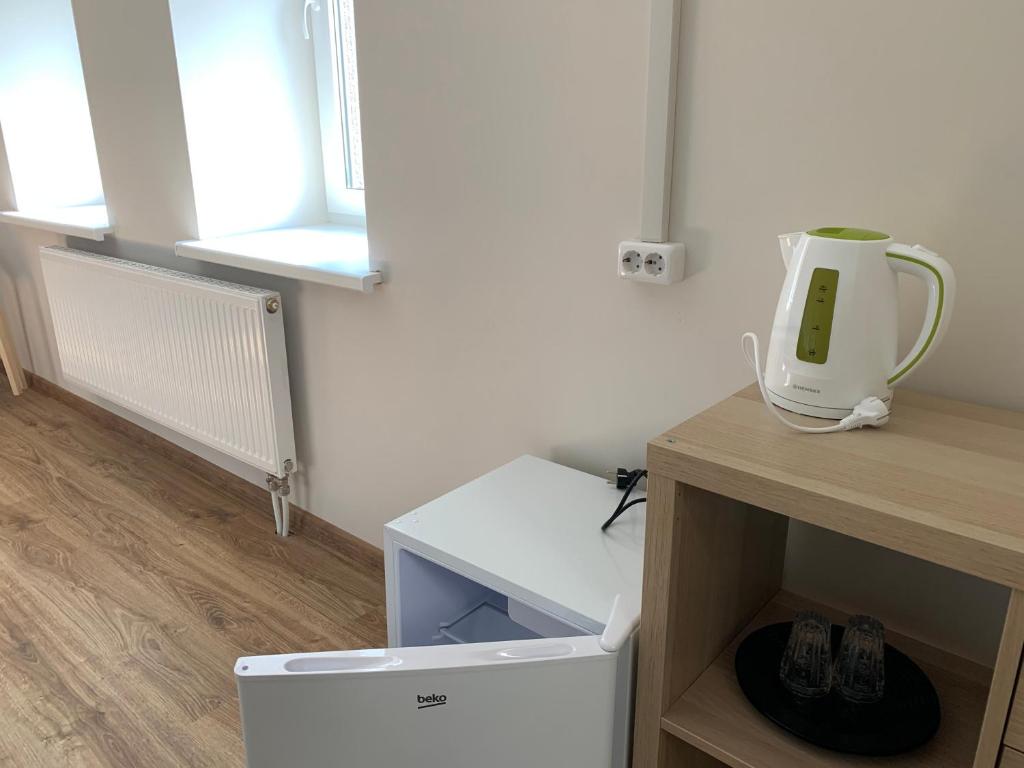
(303,522)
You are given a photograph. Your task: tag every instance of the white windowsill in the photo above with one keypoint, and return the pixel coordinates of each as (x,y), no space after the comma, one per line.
(89,221)
(331,254)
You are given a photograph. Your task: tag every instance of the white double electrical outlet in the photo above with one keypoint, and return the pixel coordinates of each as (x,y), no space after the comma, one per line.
(652,262)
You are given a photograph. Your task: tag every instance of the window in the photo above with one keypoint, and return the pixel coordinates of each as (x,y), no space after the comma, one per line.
(45,122)
(253,93)
(331,24)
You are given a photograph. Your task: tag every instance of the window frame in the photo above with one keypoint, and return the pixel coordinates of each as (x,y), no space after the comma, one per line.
(345,205)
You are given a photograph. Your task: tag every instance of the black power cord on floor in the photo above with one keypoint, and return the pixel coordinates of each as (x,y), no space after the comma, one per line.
(627,480)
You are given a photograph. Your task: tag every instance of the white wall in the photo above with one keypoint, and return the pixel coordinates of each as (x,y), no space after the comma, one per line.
(503,149)
(894,116)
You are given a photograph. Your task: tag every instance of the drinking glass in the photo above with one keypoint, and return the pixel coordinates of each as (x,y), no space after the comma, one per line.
(806,668)
(860,668)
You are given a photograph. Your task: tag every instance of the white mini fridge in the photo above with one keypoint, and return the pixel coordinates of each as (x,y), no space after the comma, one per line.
(511,621)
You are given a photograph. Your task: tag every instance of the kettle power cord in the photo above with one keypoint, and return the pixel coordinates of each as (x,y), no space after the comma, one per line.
(869,412)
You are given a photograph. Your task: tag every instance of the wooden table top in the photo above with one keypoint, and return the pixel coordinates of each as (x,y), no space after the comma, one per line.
(943,480)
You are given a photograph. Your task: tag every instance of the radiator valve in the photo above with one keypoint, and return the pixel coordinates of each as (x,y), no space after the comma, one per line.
(278,485)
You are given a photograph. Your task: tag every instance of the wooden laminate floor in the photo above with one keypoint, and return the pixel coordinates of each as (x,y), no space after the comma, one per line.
(129,585)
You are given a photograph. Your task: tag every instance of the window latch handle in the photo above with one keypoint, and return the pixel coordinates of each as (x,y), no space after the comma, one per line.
(306,21)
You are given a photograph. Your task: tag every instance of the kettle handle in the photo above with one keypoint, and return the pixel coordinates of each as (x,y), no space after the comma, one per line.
(937,273)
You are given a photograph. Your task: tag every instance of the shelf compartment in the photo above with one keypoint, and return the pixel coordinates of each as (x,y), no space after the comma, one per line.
(714,716)
(484,623)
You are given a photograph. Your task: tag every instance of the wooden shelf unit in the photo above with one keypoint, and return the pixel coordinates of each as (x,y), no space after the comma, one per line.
(944,482)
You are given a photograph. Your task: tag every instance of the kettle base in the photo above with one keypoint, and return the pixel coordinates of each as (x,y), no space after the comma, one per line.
(817,411)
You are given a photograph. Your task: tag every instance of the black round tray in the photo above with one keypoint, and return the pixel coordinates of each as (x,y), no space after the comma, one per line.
(907,716)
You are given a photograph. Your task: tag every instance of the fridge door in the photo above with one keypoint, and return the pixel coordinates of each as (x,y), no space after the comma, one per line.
(544,702)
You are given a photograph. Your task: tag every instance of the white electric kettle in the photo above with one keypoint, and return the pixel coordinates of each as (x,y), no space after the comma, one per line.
(832,352)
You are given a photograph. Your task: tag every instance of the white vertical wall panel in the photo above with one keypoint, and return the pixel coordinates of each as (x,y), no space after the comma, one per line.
(201,356)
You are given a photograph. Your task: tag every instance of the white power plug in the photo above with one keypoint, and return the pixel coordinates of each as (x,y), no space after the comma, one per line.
(661,263)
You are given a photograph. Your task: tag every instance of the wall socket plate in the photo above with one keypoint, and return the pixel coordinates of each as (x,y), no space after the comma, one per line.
(661,263)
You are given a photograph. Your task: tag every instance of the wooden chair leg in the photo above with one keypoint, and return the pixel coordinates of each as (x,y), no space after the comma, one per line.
(9,357)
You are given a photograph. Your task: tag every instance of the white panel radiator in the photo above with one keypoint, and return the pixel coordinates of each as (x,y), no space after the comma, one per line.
(200,356)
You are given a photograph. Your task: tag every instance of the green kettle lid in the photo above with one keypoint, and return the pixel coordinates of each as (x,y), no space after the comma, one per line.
(847,233)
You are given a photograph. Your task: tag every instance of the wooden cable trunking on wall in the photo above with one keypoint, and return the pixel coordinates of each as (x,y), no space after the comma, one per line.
(943,482)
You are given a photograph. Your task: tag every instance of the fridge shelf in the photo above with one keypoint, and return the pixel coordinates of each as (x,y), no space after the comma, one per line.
(484,623)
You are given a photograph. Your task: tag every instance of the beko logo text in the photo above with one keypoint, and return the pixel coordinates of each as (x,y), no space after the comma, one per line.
(433,700)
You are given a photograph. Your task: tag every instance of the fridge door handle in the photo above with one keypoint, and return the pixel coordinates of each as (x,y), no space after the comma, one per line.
(623,621)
